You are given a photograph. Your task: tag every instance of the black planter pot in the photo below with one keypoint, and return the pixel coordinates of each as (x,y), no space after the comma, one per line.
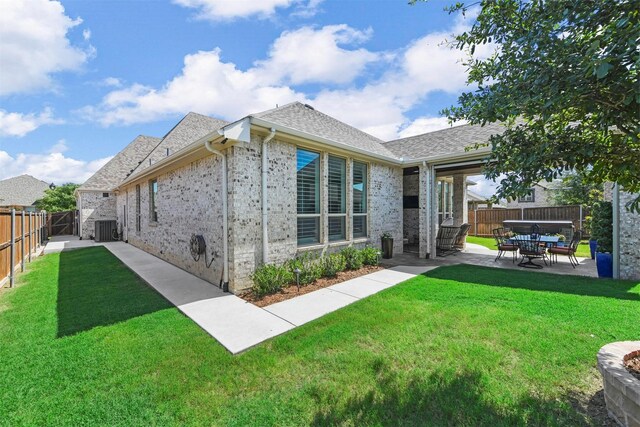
(387,248)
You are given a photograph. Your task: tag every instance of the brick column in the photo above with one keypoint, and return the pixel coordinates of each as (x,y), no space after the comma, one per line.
(460,209)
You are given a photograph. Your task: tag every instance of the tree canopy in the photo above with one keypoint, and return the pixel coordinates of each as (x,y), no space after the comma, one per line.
(58,199)
(564,79)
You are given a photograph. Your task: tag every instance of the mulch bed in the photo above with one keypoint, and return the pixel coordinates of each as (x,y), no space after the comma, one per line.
(292,291)
(633,363)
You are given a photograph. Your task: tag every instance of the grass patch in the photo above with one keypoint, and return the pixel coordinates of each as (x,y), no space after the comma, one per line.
(461,345)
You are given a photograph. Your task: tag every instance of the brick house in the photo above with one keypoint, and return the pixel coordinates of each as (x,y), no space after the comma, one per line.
(280,183)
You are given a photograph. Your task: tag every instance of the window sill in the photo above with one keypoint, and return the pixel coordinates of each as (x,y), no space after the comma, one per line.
(318,246)
(153,223)
(313,247)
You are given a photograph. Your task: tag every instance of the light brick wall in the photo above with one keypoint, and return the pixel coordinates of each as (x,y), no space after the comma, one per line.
(385,204)
(94,207)
(629,239)
(542,196)
(189,201)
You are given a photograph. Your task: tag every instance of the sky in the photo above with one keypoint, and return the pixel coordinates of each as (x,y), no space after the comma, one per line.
(80,79)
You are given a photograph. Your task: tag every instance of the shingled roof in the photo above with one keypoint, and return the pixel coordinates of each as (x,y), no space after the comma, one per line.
(21,190)
(446,141)
(192,127)
(306,119)
(117,169)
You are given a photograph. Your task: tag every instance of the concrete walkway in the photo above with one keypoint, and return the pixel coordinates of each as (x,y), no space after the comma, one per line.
(235,323)
(65,243)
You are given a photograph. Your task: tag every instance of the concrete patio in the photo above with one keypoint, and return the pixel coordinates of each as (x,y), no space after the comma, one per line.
(480,255)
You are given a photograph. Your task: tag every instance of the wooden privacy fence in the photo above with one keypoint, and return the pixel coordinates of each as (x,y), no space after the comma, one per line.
(21,234)
(483,221)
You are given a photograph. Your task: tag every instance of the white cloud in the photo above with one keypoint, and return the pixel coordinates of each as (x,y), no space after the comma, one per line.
(111,82)
(59,147)
(34,45)
(209,85)
(52,166)
(86,34)
(427,124)
(218,10)
(18,124)
(309,55)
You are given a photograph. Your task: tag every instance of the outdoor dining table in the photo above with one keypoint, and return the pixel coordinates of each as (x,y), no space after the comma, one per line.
(549,241)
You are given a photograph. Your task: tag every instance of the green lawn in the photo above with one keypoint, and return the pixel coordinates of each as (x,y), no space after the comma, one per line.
(84,342)
(490,242)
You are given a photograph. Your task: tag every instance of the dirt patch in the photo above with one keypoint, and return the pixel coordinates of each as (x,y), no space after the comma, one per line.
(293,291)
(632,363)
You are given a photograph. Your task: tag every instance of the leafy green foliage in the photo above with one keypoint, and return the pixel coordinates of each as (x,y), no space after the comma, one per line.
(577,190)
(270,278)
(332,264)
(602,226)
(564,81)
(353,257)
(370,255)
(58,199)
(309,267)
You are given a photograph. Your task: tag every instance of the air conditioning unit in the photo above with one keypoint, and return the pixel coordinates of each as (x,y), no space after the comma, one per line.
(105,231)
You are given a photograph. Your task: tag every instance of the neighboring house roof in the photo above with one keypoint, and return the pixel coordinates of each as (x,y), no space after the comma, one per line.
(21,190)
(192,127)
(304,118)
(453,140)
(475,197)
(120,166)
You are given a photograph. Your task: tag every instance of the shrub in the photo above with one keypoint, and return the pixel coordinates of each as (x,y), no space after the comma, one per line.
(332,264)
(269,279)
(602,226)
(353,257)
(370,256)
(310,269)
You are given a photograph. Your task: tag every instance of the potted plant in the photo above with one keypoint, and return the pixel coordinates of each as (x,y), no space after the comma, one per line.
(387,245)
(602,232)
(593,243)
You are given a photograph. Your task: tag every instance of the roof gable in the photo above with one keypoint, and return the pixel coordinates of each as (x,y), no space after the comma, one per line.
(121,165)
(306,119)
(21,190)
(192,127)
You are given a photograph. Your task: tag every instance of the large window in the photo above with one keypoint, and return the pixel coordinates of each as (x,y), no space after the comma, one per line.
(138,208)
(308,177)
(153,193)
(337,189)
(359,199)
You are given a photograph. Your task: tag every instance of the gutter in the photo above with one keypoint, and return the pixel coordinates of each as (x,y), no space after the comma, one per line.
(265,201)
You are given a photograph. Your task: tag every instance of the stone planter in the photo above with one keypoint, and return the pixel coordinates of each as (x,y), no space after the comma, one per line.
(621,389)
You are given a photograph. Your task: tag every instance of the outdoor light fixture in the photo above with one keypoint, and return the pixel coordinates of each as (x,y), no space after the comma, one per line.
(52,186)
(297,271)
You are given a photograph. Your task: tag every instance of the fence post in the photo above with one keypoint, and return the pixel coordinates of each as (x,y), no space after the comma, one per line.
(30,235)
(475,220)
(12,252)
(22,241)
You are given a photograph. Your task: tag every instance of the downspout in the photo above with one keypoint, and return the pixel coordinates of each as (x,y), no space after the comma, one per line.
(265,200)
(225,221)
(616,231)
(427,191)
(80,215)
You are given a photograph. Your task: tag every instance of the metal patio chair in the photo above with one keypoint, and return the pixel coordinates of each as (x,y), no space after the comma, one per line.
(530,248)
(569,251)
(503,244)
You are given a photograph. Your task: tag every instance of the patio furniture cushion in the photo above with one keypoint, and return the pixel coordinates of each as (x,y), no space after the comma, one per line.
(507,247)
(561,251)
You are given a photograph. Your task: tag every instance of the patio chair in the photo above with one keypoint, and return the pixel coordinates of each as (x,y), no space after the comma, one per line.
(503,244)
(530,248)
(569,251)
(462,236)
(446,239)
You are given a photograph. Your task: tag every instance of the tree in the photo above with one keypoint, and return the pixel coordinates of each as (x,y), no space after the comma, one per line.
(577,190)
(58,199)
(564,81)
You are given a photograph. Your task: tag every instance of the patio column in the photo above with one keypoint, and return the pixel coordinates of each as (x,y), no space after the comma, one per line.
(460,208)
(427,212)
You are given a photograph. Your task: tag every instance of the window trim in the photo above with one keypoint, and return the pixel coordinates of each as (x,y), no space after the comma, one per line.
(318,214)
(138,210)
(342,214)
(530,198)
(153,205)
(366,200)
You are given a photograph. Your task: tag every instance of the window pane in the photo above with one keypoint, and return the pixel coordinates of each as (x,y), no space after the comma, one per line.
(337,185)
(360,226)
(152,198)
(308,177)
(359,187)
(308,230)
(337,229)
